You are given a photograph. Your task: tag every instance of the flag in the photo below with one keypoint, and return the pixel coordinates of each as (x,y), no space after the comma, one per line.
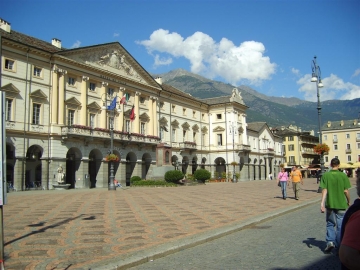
(132,113)
(127,96)
(112,104)
(123,99)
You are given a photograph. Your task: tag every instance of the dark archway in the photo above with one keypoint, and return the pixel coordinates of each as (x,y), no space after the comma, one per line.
(130,166)
(220,167)
(185,165)
(145,166)
(95,158)
(194,165)
(10,162)
(33,167)
(73,159)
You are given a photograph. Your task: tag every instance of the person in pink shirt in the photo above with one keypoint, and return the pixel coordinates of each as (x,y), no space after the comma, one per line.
(283,179)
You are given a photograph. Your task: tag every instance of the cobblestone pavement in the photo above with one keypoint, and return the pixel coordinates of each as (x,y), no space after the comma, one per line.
(293,241)
(101,229)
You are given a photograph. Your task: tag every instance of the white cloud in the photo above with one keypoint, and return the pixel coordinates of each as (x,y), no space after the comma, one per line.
(356,73)
(295,71)
(234,64)
(115,34)
(76,44)
(162,61)
(334,88)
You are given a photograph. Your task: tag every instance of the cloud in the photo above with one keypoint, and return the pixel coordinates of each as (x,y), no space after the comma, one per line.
(334,88)
(162,61)
(115,34)
(235,64)
(76,44)
(356,73)
(295,71)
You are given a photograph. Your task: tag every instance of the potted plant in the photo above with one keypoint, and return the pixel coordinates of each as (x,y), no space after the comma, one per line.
(321,148)
(112,157)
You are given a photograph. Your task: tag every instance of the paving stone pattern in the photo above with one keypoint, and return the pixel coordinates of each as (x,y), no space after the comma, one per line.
(101,229)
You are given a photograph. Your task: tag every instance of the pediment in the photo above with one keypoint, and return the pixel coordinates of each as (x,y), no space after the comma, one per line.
(175,123)
(195,127)
(218,129)
(144,117)
(38,94)
(163,121)
(10,90)
(185,126)
(112,57)
(204,130)
(73,101)
(94,106)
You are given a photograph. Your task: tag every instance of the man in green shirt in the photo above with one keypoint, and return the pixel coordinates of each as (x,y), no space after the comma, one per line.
(335,200)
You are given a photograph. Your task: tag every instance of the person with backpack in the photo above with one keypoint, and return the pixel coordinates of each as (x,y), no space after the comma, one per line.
(335,200)
(349,251)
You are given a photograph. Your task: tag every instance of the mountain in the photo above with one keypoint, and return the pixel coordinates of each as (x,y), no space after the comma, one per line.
(276,111)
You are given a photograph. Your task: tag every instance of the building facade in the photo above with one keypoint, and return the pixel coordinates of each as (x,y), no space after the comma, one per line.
(57,113)
(343,139)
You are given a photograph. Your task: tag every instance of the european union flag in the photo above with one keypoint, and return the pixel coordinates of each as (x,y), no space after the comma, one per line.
(112,105)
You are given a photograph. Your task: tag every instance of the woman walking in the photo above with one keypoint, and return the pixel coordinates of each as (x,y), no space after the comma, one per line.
(283,179)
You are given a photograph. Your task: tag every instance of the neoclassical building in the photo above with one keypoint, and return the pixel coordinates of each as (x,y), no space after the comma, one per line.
(62,105)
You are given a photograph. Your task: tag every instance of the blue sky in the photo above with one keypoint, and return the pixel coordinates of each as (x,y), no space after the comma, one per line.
(267,45)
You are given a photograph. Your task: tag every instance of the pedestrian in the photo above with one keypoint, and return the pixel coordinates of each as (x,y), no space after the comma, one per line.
(349,251)
(335,200)
(270,176)
(318,176)
(296,179)
(282,178)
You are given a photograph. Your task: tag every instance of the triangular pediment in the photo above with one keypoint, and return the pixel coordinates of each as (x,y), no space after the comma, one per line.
(185,126)
(114,58)
(73,101)
(218,129)
(10,90)
(38,94)
(94,106)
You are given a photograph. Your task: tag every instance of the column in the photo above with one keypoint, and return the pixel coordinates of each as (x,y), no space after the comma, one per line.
(103,119)
(150,129)
(83,100)
(61,101)
(45,174)
(54,96)
(211,142)
(137,113)
(156,131)
(18,173)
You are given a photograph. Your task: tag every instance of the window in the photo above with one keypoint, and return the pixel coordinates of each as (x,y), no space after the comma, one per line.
(194,114)
(335,138)
(203,139)
(8,109)
(37,72)
(347,135)
(203,116)
(291,138)
(174,134)
(292,159)
(291,147)
(110,91)
(349,158)
(173,108)
(142,100)
(184,135)
(92,120)
(348,146)
(92,86)
(71,115)
(335,147)
(184,111)
(358,145)
(218,116)
(325,137)
(326,159)
(219,139)
(71,81)
(161,133)
(142,128)
(127,126)
(194,136)
(357,136)
(9,64)
(36,114)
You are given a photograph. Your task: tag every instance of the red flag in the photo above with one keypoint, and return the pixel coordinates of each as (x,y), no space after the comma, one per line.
(123,100)
(132,113)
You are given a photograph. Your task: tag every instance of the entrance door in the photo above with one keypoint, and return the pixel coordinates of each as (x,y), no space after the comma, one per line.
(92,173)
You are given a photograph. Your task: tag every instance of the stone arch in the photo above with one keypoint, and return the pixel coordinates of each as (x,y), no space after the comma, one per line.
(185,164)
(194,164)
(145,166)
(220,166)
(95,160)
(73,161)
(131,160)
(10,163)
(33,169)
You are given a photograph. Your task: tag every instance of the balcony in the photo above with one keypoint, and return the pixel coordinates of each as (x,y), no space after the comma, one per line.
(348,151)
(188,145)
(268,151)
(89,134)
(335,140)
(309,152)
(291,163)
(243,148)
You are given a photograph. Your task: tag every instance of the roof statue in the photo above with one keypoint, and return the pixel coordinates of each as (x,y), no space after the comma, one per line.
(236,96)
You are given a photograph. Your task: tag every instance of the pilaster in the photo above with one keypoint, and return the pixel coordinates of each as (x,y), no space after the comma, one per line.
(137,111)
(83,100)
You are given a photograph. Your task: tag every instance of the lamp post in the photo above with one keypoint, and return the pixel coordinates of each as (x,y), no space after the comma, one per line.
(233,132)
(316,77)
(110,104)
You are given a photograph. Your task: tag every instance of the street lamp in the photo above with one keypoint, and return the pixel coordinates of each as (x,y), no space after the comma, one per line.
(316,77)
(233,132)
(111,105)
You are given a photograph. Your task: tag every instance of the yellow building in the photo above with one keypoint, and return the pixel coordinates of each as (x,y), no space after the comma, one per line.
(63,106)
(343,139)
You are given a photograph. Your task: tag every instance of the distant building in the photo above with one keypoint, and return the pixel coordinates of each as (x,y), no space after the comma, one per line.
(56,114)
(343,138)
(298,146)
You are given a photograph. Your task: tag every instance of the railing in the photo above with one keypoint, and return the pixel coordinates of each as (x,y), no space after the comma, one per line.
(188,145)
(335,140)
(105,133)
(309,151)
(348,151)
(243,147)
